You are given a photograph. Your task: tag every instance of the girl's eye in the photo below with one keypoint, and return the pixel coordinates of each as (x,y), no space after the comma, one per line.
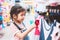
(22,14)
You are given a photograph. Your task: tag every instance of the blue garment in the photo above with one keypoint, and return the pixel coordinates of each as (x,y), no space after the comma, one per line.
(0,9)
(1,18)
(17,0)
(49,37)
(26,38)
(51,13)
(42,32)
(3,26)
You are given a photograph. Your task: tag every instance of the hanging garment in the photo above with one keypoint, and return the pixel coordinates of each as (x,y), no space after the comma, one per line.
(49,37)
(46,30)
(56,32)
(37,32)
(42,32)
(38,29)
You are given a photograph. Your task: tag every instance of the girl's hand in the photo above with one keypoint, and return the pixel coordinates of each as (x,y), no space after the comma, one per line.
(33,26)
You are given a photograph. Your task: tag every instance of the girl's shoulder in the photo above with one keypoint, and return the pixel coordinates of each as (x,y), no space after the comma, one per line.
(12,28)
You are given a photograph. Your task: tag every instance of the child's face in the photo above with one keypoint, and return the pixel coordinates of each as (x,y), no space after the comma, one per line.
(20,16)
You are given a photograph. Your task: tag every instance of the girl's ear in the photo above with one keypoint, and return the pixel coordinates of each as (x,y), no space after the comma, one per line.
(14,16)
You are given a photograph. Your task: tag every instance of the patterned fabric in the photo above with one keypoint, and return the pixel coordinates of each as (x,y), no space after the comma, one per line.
(45,33)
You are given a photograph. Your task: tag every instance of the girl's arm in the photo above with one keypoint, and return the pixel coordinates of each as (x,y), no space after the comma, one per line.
(22,35)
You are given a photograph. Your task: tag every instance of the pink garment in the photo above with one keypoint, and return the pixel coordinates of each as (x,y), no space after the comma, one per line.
(14,30)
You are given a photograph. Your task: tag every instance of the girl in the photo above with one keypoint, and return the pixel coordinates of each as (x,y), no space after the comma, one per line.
(17,14)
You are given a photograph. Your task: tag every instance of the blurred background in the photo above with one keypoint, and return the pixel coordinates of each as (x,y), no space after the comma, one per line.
(47,10)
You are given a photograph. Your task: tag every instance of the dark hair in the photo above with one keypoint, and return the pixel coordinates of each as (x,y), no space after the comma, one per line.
(16,9)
